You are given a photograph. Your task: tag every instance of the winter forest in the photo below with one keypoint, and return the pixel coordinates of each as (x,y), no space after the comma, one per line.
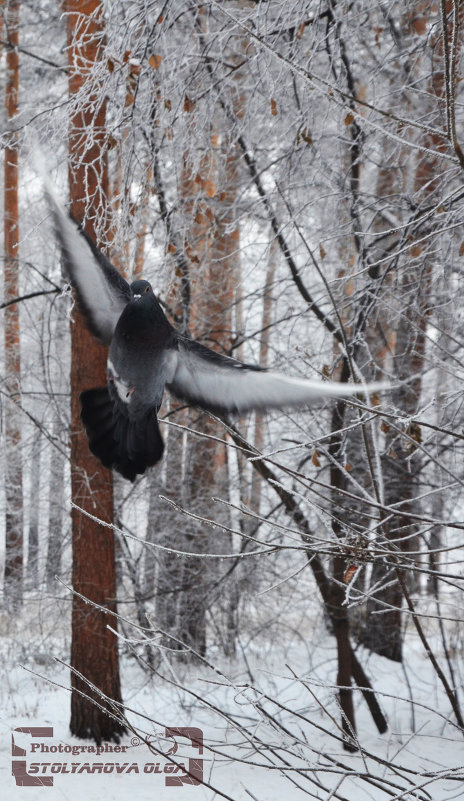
(286,584)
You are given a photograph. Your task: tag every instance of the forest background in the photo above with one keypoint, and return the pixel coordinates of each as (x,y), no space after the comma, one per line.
(289,176)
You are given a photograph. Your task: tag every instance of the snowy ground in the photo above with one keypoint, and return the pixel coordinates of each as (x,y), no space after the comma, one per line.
(245,754)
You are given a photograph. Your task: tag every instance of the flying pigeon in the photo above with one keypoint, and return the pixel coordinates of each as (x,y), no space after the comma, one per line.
(147,355)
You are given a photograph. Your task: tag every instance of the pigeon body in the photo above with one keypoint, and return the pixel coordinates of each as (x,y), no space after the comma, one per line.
(142,352)
(120,419)
(147,355)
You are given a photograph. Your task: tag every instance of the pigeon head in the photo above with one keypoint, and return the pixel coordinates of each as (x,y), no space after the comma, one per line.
(140,289)
(145,310)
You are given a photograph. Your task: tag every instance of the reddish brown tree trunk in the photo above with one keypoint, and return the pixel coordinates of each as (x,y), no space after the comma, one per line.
(12,430)
(94,649)
(211,247)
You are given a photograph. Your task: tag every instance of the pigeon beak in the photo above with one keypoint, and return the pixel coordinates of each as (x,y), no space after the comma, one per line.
(136,297)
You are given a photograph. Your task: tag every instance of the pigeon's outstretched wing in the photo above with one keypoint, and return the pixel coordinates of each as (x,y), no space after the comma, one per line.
(221,384)
(101,290)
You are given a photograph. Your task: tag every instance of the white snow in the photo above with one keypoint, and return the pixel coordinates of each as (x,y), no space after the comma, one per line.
(245,755)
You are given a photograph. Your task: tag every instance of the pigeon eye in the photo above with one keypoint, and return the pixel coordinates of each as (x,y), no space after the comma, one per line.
(147,290)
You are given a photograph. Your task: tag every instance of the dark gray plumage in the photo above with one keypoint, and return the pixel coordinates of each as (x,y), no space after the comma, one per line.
(146,354)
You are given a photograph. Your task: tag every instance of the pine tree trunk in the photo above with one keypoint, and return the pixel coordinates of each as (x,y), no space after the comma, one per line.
(12,423)
(94,649)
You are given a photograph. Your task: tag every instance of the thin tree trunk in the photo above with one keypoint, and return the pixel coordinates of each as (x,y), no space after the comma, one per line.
(55,514)
(263,361)
(12,431)
(150,556)
(143,209)
(34,513)
(250,488)
(337,610)
(94,649)
(171,535)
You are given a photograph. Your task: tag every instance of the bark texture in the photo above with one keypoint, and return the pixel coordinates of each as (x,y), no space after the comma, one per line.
(94,649)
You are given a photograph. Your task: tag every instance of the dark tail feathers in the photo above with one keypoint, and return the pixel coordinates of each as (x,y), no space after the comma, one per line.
(127,445)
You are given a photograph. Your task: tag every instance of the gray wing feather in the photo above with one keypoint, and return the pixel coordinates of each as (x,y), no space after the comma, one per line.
(221,384)
(101,290)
